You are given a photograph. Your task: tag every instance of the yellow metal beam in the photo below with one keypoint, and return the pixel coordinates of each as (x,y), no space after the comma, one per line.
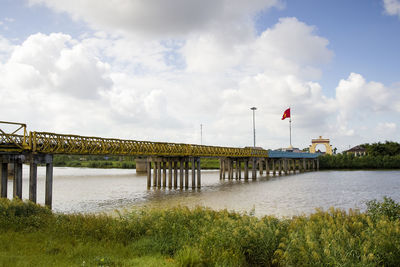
(53,143)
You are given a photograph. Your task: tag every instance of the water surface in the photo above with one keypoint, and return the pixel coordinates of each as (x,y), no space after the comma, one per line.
(103,190)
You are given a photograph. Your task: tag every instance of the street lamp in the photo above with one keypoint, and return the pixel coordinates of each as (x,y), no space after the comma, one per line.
(254,125)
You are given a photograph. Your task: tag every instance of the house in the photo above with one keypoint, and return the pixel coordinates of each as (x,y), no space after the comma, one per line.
(357,151)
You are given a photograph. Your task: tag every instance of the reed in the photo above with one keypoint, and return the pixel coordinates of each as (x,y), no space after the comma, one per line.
(33,235)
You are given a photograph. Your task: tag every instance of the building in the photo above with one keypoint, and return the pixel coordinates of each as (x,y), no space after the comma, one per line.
(356,151)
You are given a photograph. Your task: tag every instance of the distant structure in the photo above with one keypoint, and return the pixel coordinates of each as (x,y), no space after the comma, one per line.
(356,151)
(321,141)
(290,149)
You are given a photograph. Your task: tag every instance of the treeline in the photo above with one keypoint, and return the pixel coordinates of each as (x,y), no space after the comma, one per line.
(31,235)
(94,161)
(349,161)
(126,162)
(383,149)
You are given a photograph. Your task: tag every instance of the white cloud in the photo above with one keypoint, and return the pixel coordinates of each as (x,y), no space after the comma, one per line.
(387,127)
(355,95)
(129,86)
(392,7)
(290,47)
(159,17)
(59,63)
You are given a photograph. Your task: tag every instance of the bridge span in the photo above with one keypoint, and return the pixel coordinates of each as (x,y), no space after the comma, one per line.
(163,160)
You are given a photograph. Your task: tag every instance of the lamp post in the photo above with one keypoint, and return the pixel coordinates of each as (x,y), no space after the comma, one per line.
(254,125)
(201,134)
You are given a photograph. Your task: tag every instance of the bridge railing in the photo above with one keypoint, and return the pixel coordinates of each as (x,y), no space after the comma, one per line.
(13,136)
(53,143)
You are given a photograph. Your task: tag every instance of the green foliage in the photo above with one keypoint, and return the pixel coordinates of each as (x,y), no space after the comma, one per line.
(349,161)
(33,235)
(388,208)
(383,149)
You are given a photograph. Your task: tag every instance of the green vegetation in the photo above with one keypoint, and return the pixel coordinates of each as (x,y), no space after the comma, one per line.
(349,161)
(383,149)
(32,235)
(114,162)
(94,161)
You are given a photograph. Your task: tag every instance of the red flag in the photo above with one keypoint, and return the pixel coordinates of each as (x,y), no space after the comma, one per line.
(286,114)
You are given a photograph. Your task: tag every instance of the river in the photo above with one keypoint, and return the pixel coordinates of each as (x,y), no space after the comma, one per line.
(87,190)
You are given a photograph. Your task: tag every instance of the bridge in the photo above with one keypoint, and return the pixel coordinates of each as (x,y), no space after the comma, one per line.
(17,146)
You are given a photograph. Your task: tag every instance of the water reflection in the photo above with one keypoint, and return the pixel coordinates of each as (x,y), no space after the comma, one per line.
(103,190)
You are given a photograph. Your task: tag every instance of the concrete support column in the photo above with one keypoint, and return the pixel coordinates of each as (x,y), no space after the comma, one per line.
(164,177)
(148,168)
(254,169)
(229,169)
(169,173)
(221,162)
(304,165)
(232,168)
(237,169)
(224,167)
(314,164)
(280,161)
(261,166)
(175,174)
(273,167)
(49,181)
(159,174)
(193,173)
(4,180)
(186,174)
(155,172)
(317,164)
(267,166)
(198,173)
(239,162)
(181,173)
(246,169)
(17,192)
(141,165)
(33,180)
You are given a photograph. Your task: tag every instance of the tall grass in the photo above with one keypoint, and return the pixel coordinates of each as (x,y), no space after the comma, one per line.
(199,237)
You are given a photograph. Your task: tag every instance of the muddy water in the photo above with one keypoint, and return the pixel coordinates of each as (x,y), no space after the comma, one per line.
(103,190)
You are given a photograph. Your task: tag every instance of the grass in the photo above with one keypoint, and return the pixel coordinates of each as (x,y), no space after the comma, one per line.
(31,235)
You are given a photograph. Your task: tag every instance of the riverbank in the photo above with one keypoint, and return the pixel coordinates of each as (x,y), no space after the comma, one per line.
(348,162)
(33,235)
(115,162)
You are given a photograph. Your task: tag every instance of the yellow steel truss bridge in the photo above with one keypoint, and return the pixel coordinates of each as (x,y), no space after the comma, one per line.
(18,140)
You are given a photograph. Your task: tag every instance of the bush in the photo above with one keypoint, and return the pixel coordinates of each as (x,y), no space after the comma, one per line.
(388,208)
(203,237)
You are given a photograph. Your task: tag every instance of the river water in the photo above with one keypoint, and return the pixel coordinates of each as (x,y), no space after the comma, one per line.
(87,190)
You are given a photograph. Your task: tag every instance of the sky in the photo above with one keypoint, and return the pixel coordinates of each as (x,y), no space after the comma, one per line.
(156,70)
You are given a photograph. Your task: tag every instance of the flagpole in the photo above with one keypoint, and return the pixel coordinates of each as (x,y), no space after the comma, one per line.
(290,128)
(290,131)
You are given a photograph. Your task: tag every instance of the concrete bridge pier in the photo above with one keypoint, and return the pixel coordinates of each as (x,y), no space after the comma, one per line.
(294,166)
(254,169)
(267,166)
(246,169)
(166,171)
(181,173)
(273,167)
(141,165)
(33,159)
